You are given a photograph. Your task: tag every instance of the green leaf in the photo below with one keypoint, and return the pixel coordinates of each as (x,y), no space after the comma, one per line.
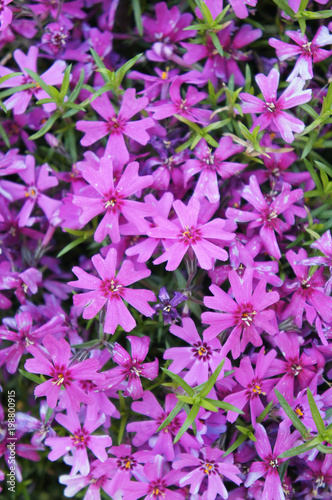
(282,470)
(324,449)
(190,124)
(48,415)
(208,406)
(65,83)
(187,423)
(14,90)
(85,345)
(283,5)
(99,64)
(121,72)
(324,167)
(180,382)
(177,408)
(75,93)
(322,14)
(303,448)
(48,125)
(247,432)
(138,16)
(31,376)
(314,175)
(212,380)
(265,412)
(315,412)
(310,143)
(9,76)
(4,136)
(224,406)
(216,43)
(241,439)
(49,89)
(292,415)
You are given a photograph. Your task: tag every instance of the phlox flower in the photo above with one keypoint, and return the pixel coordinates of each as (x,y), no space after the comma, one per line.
(6,14)
(20,100)
(255,384)
(324,245)
(54,361)
(201,358)
(25,336)
(190,235)
(112,199)
(37,180)
(211,467)
(146,429)
(267,214)
(168,305)
(248,315)
(79,441)
(270,463)
(131,367)
(309,52)
(210,163)
(111,290)
(271,111)
(117,126)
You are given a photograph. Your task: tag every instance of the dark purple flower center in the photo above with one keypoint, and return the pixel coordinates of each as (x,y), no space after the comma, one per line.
(81,438)
(245,315)
(113,201)
(126,463)
(299,411)
(115,125)
(189,235)
(111,288)
(255,388)
(201,351)
(61,375)
(296,369)
(172,427)
(157,488)
(209,467)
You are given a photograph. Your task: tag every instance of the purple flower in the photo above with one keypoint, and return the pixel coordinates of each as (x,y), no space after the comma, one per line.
(117,126)
(240,9)
(37,180)
(131,367)
(55,362)
(211,467)
(153,483)
(271,111)
(20,100)
(270,461)
(80,440)
(112,199)
(209,164)
(6,14)
(247,315)
(199,358)
(111,290)
(309,51)
(190,235)
(266,214)
(168,305)
(255,383)
(324,245)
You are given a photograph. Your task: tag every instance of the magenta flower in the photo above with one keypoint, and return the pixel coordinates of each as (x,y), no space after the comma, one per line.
(117,126)
(111,290)
(240,7)
(270,461)
(266,214)
(307,293)
(183,107)
(255,384)
(80,440)
(55,362)
(153,483)
(211,467)
(163,442)
(20,100)
(309,52)
(25,336)
(37,180)
(112,199)
(190,235)
(6,14)
(271,111)
(131,367)
(324,245)
(247,315)
(201,358)
(209,164)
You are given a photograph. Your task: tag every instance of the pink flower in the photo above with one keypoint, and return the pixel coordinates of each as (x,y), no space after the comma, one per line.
(190,235)
(247,315)
(111,290)
(80,440)
(131,367)
(55,362)
(6,14)
(309,51)
(117,126)
(271,111)
(112,199)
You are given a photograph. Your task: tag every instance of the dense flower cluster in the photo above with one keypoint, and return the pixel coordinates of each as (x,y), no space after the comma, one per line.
(177,162)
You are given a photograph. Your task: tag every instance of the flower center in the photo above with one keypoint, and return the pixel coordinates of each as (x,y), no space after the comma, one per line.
(299,411)
(271,107)
(183,105)
(274,463)
(209,467)
(190,235)
(248,317)
(307,47)
(126,463)
(111,288)
(31,192)
(80,438)
(60,375)
(201,351)
(296,369)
